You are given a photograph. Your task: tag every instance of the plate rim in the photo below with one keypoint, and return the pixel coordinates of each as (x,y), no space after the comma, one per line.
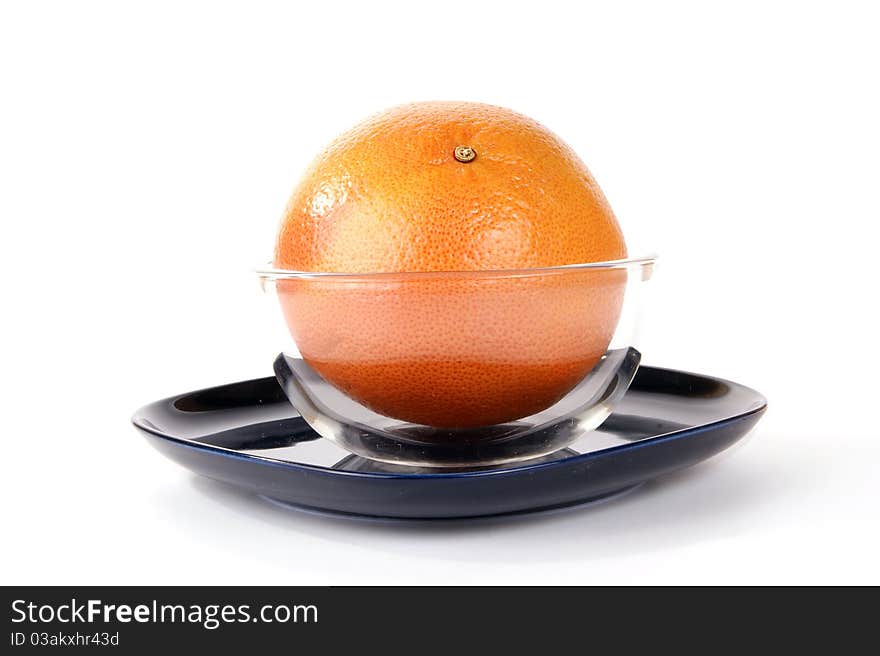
(138,421)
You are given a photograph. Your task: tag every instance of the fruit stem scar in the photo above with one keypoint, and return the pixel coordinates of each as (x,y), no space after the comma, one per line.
(465,154)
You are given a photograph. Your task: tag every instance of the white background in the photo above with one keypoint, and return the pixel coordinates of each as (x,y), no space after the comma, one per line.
(146,153)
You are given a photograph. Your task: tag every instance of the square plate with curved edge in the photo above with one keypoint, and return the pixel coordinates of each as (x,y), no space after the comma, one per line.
(248,434)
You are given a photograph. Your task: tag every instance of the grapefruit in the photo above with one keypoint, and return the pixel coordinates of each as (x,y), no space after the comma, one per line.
(478,199)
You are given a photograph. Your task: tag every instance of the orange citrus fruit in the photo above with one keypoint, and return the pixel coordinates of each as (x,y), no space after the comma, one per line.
(457,188)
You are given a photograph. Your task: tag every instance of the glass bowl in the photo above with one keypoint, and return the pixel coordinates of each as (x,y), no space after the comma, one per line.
(459,369)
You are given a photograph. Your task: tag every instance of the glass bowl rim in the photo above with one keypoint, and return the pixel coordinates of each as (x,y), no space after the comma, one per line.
(645,263)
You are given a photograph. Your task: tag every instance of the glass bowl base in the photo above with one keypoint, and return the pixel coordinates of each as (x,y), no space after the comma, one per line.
(370,435)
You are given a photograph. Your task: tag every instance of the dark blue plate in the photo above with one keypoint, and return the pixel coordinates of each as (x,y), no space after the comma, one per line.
(249,435)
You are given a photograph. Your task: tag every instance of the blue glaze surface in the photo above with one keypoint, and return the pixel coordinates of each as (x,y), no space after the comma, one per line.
(249,435)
